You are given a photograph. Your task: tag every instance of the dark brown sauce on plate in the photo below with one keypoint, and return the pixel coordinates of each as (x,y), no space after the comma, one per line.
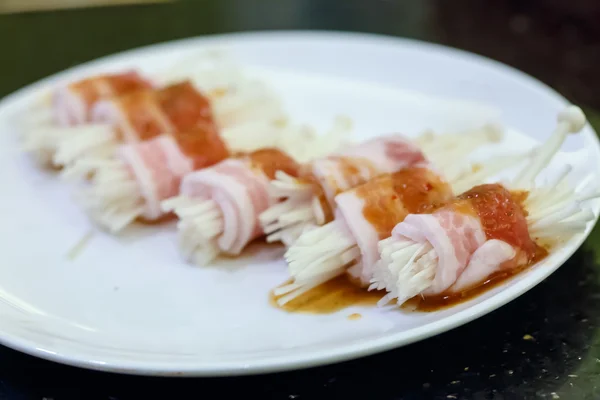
(445,300)
(332,296)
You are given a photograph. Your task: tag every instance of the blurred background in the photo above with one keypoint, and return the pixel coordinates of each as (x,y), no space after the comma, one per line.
(557,41)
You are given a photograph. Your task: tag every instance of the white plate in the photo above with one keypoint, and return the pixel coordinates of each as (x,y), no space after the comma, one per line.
(133,306)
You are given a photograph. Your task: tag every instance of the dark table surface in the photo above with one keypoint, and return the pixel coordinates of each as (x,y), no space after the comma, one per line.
(545,344)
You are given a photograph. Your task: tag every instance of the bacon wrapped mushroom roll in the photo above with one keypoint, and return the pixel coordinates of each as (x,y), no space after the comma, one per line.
(72,105)
(488,230)
(218,207)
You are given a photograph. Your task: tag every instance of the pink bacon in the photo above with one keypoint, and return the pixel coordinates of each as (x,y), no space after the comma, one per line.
(218,207)
(140,176)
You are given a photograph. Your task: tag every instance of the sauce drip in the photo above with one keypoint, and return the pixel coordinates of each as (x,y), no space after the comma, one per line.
(332,296)
(271,160)
(389,198)
(319,194)
(446,300)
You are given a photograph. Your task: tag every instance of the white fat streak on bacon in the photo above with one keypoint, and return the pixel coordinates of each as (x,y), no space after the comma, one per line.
(554,212)
(134,183)
(228,198)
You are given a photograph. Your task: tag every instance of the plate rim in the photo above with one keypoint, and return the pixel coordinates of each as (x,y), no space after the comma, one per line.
(355,349)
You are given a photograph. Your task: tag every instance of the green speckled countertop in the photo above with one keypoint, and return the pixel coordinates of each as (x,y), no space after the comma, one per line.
(545,345)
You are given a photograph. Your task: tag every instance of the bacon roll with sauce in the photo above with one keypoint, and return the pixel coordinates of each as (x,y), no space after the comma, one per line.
(486,231)
(138,116)
(309,199)
(132,184)
(218,207)
(72,105)
(364,216)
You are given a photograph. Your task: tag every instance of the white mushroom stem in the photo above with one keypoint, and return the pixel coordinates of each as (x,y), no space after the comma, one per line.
(406,269)
(112,199)
(555,211)
(199,227)
(465,180)
(94,140)
(571,120)
(318,256)
(60,146)
(446,149)
(285,221)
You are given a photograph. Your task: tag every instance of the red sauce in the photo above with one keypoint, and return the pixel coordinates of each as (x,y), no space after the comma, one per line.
(502,215)
(389,198)
(203,145)
(141,110)
(127,82)
(332,296)
(184,106)
(271,160)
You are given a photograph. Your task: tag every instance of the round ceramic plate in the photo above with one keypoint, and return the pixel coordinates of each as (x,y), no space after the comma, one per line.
(131,305)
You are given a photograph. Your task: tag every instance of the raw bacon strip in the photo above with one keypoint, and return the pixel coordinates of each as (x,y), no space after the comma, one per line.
(364,216)
(72,104)
(218,207)
(309,199)
(133,184)
(70,112)
(486,230)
